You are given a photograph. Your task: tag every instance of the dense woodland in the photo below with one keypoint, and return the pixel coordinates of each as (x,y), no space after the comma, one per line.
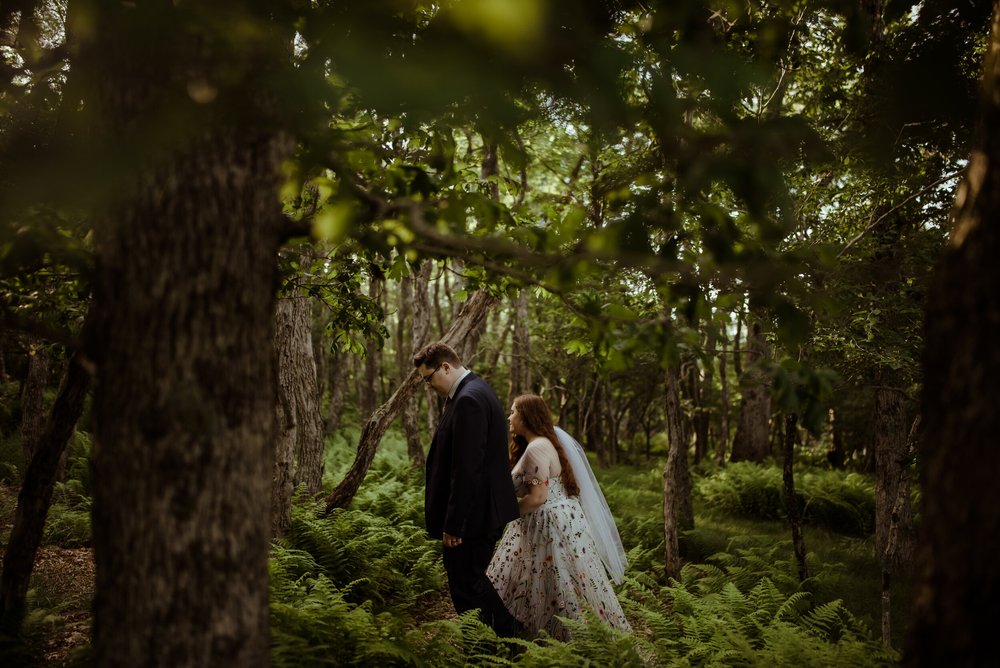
(745,250)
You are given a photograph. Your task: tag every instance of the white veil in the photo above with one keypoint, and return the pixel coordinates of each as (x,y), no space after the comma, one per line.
(595,508)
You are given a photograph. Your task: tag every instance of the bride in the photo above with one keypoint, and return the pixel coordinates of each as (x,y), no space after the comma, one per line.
(552,560)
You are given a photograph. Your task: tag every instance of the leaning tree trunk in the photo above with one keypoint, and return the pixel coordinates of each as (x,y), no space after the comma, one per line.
(36,495)
(184,300)
(957,598)
(471,317)
(752,431)
(33,414)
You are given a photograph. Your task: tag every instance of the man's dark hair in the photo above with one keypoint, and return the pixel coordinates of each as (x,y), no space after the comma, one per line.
(435,354)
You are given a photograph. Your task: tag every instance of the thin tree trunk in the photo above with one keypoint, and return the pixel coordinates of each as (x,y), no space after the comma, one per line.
(338,387)
(491,366)
(520,366)
(752,431)
(33,413)
(471,317)
(411,429)
(791,502)
(724,409)
(369,390)
(671,491)
(836,455)
(595,419)
(891,460)
(737,352)
(612,422)
(283,476)
(35,497)
(957,597)
(899,550)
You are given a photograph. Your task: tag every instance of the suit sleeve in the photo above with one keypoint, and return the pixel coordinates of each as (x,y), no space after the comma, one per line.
(468,455)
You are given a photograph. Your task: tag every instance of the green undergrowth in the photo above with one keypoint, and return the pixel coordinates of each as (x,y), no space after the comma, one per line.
(355,588)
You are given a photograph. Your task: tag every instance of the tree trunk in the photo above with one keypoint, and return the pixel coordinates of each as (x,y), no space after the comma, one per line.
(752,430)
(491,367)
(299,456)
(671,489)
(699,412)
(33,413)
(520,359)
(338,387)
(612,422)
(891,463)
(368,392)
(836,455)
(470,318)
(184,400)
(321,350)
(411,429)
(791,502)
(35,496)
(302,378)
(595,435)
(724,409)
(957,598)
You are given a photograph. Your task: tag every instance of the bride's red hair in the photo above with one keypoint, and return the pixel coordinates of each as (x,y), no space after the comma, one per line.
(537,419)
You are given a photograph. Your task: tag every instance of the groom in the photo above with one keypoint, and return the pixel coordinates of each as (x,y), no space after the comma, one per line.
(469,496)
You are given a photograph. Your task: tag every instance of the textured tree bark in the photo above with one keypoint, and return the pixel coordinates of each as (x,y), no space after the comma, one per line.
(471,317)
(184,409)
(297,374)
(671,490)
(791,503)
(35,497)
(33,414)
(752,431)
(957,602)
(891,463)
(299,443)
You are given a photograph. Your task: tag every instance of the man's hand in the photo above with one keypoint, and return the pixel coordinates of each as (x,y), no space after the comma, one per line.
(451,541)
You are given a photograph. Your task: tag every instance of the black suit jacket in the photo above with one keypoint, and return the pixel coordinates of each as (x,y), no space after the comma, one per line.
(469,491)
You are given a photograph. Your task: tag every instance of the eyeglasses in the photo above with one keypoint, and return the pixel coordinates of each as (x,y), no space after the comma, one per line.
(427,378)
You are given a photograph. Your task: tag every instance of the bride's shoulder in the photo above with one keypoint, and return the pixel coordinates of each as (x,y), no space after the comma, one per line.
(540,443)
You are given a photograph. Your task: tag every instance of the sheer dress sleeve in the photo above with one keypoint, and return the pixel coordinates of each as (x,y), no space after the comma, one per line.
(535,466)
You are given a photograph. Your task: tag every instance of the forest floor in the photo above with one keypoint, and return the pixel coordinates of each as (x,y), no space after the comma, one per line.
(62,585)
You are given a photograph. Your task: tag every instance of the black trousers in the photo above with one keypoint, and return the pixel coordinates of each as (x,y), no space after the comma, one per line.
(470,588)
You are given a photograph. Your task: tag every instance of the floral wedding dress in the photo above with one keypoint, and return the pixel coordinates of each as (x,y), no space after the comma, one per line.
(546,563)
